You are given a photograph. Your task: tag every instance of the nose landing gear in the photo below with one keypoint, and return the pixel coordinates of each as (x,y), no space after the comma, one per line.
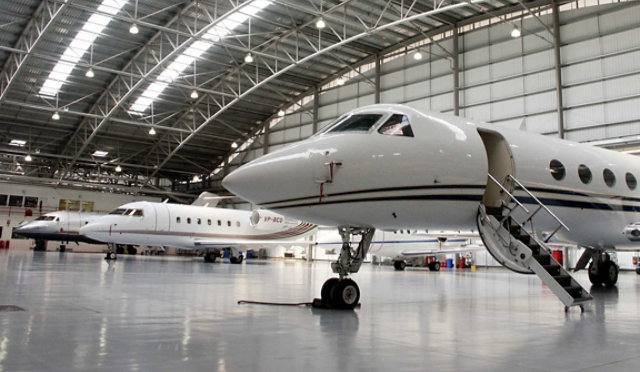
(343,292)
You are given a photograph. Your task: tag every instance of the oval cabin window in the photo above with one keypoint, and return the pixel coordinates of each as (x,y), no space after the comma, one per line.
(584,173)
(631,181)
(609,177)
(557,170)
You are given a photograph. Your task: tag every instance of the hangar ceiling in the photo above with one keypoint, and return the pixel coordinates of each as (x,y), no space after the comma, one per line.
(140,95)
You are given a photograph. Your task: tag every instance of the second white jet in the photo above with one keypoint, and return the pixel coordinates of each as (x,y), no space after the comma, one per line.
(209,229)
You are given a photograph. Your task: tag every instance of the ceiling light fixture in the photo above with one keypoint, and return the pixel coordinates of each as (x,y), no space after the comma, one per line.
(89,73)
(340,81)
(134,29)
(28,158)
(152,131)
(515,33)
(320,24)
(194,94)
(248,58)
(281,113)
(118,169)
(417,56)
(55,116)
(234,145)
(17,143)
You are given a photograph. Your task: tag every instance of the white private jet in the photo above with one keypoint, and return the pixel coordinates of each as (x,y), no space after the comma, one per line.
(392,167)
(62,226)
(201,227)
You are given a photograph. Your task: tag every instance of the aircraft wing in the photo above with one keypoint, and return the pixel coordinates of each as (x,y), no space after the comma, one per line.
(437,250)
(248,242)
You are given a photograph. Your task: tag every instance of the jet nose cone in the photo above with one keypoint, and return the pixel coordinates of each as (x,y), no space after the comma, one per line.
(90,229)
(276,176)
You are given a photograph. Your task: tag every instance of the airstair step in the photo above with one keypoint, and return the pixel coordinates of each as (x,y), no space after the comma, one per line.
(553,269)
(563,280)
(494,211)
(574,291)
(515,229)
(524,238)
(543,259)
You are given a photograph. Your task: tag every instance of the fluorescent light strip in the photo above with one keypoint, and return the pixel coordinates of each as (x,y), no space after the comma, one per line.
(173,71)
(79,46)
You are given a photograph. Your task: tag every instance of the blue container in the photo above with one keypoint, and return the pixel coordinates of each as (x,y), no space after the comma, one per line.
(225,254)
(449,262)
(249,254)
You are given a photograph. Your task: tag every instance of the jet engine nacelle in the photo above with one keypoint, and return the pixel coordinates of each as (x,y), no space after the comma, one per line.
(264,220)
(632,231)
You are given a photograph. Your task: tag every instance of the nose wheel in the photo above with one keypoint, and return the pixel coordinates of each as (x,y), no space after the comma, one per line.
(343,292)
(340,293)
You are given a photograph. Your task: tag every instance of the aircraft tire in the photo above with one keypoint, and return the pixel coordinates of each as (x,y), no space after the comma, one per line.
(325,292)
(399,265)
(638,270)
(609,273)
(120,249)
(345,294)
(238,259)
(594,274)
(434,266)
(211,256)
(112,256)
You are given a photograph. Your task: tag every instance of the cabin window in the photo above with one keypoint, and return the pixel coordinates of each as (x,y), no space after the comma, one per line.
(3,199)
(397,125)
(199,221)
(15,200)
(229,223)
(209,222)
(177,219)
(119,211)
(631,181)
(188,219)
(219,223)
(356,123)
(557,170)
(609,177)
(138,213)
(237,223)
(584,173)
(30,201)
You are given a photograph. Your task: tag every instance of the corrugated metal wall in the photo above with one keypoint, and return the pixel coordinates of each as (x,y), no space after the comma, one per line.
(507,81)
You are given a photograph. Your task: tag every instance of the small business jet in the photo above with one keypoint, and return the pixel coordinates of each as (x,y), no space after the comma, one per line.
(201,227)
(402,245)
(392,167)
(62,226)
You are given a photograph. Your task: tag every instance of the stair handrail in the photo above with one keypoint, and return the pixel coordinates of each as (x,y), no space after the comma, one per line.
(540,203)
(507,192)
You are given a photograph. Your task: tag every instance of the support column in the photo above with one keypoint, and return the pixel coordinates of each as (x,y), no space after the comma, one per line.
(265,138)
(558,66)
(316,103)
(456,73)
(377,80)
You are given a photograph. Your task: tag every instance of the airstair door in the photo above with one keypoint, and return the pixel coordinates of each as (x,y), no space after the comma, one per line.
(501,167)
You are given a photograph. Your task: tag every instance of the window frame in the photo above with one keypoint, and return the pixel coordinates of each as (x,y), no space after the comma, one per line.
(613,177)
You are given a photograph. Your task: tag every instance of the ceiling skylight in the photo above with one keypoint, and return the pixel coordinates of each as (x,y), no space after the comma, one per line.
(79,45)
(17,143)
(100,154)
(217,32)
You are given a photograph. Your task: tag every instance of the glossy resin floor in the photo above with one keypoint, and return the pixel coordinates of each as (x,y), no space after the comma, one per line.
(168,314)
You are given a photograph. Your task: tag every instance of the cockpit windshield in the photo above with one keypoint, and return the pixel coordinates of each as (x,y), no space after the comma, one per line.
(397,125)
(128,212)
(118,211)
(354,123)
(46,218)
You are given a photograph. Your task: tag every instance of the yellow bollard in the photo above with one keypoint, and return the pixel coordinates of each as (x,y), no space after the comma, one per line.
(473,267)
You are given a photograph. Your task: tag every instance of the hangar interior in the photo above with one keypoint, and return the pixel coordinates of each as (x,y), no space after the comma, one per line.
(108,102)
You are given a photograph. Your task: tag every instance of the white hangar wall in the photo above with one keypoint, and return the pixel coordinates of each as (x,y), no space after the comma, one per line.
(504,80)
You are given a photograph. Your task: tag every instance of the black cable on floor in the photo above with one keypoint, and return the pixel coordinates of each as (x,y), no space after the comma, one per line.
(275,303)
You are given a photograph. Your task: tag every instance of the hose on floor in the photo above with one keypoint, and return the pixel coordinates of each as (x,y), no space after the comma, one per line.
(275,303)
